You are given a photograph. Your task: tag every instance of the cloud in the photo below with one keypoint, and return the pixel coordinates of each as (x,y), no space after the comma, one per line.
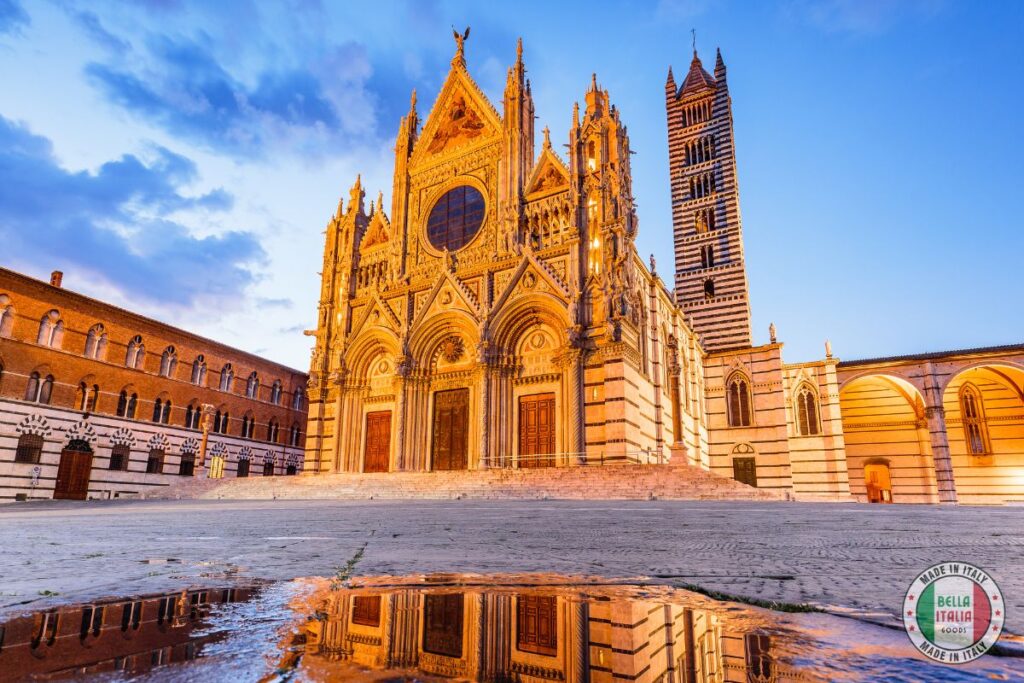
(13,17)
(119,223)
(179,84)
(862,16)
(92,26)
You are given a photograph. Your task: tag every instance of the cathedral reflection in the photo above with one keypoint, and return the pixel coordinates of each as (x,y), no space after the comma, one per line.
(535,635)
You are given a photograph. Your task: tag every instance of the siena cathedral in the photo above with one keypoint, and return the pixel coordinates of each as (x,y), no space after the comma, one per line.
(499,316)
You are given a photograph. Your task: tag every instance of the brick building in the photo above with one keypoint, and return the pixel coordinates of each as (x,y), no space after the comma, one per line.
(101,402)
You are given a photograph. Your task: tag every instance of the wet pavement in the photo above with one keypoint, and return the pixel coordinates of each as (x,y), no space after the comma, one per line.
(459,627)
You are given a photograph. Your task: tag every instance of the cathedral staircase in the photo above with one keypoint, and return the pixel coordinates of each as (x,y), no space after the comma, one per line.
(608,482)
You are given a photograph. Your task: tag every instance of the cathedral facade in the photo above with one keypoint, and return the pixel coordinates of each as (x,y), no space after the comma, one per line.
(499,316)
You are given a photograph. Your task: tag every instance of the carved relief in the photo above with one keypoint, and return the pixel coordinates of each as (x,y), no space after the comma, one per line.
(461,122)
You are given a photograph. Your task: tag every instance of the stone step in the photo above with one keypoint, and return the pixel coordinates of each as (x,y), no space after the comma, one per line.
(625,481)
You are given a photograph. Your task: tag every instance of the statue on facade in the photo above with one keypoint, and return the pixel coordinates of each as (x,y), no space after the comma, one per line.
(460,44)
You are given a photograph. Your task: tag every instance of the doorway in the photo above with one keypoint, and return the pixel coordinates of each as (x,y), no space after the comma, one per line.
(74,471)
(451,423)
(537,430)
(878,482)
(378,441)
(744,470)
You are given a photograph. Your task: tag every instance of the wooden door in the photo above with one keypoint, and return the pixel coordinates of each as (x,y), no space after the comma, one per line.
(878,483)
(744,470)
(537,624)
(73,472)
(442,624)
(451,426)
(377,453)
(537,430)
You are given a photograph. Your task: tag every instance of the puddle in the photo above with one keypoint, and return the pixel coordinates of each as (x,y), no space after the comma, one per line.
(529,628)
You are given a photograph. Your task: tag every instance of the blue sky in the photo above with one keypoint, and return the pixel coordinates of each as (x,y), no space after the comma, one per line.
(182,159)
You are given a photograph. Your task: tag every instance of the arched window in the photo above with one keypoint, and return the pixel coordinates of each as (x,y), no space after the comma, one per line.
(297,399)
(248,426)
(192,415)
(86,397)
(807,423)
(157,410)
(227,375)
(272,430)
(187,465)
(39,388)
(120,455)
(738,401)
(165,414)
(275,393)
(51,330)
(252,386)
(168,362)
(268,468)
(707,256)
(30,448)
(126,405)
(199,371)
(295,435)
(972,412)
(96,342)
(6,318)
(220,422)
(709,288)
(136,353)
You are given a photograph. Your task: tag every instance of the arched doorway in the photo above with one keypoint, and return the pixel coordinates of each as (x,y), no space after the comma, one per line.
(878,482)
(74,471)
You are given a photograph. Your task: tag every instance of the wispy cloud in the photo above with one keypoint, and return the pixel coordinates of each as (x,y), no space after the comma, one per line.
(119,223)
(90,23)
(179,84)
(862,16)
(13,17)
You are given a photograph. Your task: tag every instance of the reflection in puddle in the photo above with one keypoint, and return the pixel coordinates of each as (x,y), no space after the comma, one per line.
(515,628)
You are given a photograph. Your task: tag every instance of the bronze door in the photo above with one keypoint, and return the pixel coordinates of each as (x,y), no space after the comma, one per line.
(537,624)
(537,430)
(73,472)
(451,424)
(378,442)
(442,625)
(744,470)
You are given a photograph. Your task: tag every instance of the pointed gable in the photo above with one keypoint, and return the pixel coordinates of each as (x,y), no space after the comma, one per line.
(697,79)
(549,173)
(461,117)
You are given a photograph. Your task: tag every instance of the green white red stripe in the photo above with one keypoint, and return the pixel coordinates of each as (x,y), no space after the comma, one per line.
(953,612)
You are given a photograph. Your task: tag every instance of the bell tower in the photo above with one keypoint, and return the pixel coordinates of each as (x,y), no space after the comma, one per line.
(711,276)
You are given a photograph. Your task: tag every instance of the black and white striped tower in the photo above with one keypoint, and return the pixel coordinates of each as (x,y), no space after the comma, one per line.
(711,278)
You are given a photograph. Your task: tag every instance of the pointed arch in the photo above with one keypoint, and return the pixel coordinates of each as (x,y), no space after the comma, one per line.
(738,400)
(972,412)
(806,410)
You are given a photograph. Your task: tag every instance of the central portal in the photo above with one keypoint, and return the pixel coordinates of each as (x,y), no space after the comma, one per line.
(537,430)
(451,423)
(378,441)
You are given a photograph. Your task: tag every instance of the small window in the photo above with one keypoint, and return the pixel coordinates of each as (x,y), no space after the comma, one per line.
(709,288)
(297,399)
(155,462)
(252,386)
(199,371)
(136,354)
(243,468)
(972,412)
(272,431)
(275,393)
(30,448)
(51,330)
(120,456)
(807,412)
(366,610)
(268,468)
(126,405)
(707,256)
(96,342)
(39,388)
(168,362)
(192,415)
(6,321)
(188,466)
(738,402)
(295,435)
(227,376)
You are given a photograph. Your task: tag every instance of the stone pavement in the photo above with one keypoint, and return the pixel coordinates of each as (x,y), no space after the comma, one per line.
(851,557)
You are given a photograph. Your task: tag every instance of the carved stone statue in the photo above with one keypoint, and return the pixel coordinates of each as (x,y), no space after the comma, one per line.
(654,266)
(771,332)
(460,44)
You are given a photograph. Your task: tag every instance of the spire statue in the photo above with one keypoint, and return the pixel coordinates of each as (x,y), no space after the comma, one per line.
(460,45)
